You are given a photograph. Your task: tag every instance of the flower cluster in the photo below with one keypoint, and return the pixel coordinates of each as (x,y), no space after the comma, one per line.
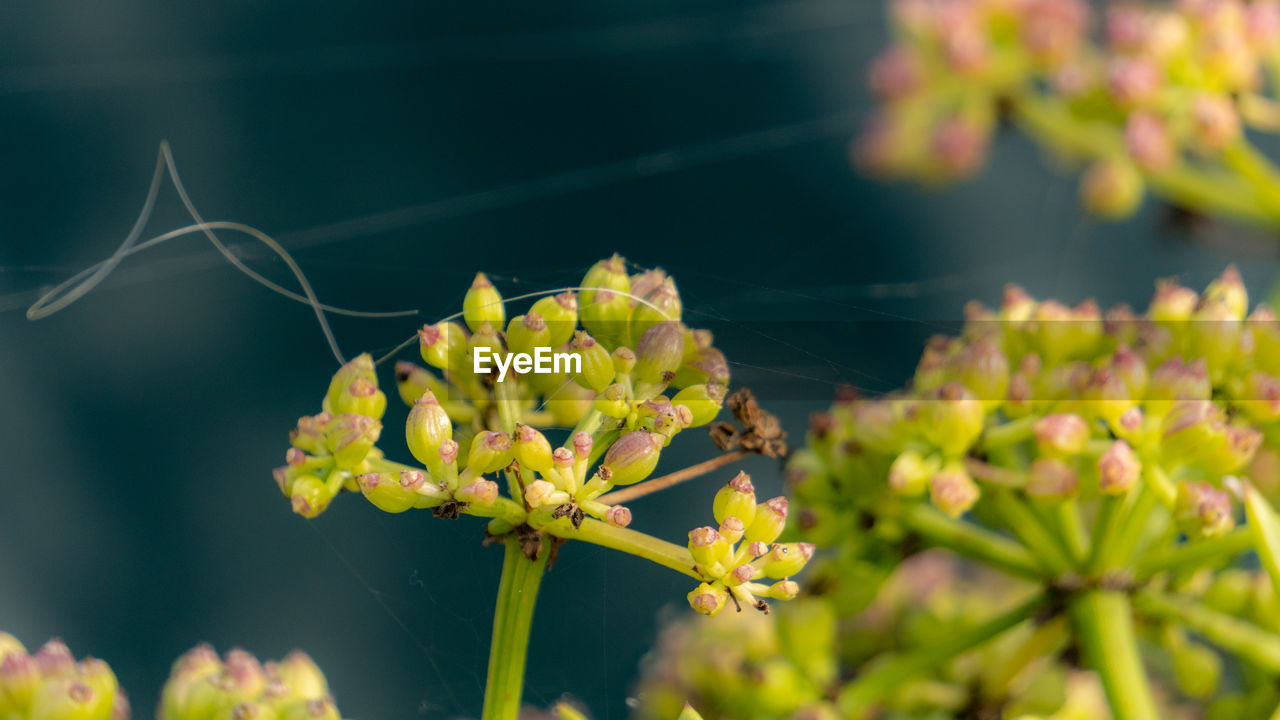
(50,684)
(1160,100)
(743,550)
(239,687)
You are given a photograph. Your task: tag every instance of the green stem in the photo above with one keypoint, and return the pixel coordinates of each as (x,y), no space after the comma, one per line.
(1241,638)
(1193,555)
(1071,526)
(1105,526)
(1024,523)
(861,696)
(1103,621)
(512,621)
(1010,433)
(971,541)
(1132,527)
(632,542)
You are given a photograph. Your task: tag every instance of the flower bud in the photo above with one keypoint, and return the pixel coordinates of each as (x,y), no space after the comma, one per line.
(483,304)
(633,457)
(953,418)
(1216,123)
(770,519)
(309,496)
(959,146)
(444,346)
(54,659)
(1237,449)
(301,676)
(8,644)
(732,529)
(613,401)
(490,452)
(528,332)
(427,427)
(910,472)
(787,559)
(1112,188)
(610,274)
(660,304)
(69,699)
(703,401)
(361,397)
(618,516)
(1148,141)
(952,490)
(386,493)
(245,671)
(708,547)
(783,590)
(1261,397)
(1202,510)
(412,381)
(708,599)
(703,365)
(358,368)
(1118,469)
(541,492)
(1051,480)
(660,353)
(1133,80)
(1178,380)
(1197,669)
(19,679)
(582,444)
(896,73)
(319,708)
(1229,290)
(982,367)
(624,360)
(736,499)
(532,449)
(1061,434)
(480,492)
(597,364)
(561,315)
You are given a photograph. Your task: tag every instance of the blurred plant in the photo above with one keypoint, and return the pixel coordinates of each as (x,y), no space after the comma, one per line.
(50,684)
(237,686)
(627,383)
(1161,101)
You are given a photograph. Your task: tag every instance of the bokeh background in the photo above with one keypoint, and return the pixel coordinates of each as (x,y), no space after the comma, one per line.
(396,148)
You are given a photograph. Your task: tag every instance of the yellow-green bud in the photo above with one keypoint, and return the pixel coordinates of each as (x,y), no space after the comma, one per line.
(309,496)
(426,429)
(361,397)
(19,679)
(660,353)
(1052,480)
(910,472)
(490,452)
(605,316)
(1202,510)
(787,559)
(610,274)
(358,368)
(561,315)
(302,676)
(532,449)
(1118,469)
(701,366)
(412,381)
(597,364)
(612,401)
(386,493)
(69,699)
(1196,668)
(953,491)
(953,418)
(1112,188)
(483,304)
(444,346)
(1061,434)
(633,457)
(736,499)
(708,599)
(708,547)
(661,304)
(704,402)
(351,437)
(770,519)
(528,332)
(624,360)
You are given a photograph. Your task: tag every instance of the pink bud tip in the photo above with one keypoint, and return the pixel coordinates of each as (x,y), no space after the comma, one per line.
(563,457)
(412,479)
(362,387)
(54,658)
(618,516)
(448,451)
(481,492)
(428,398)
(742,483)
(278,474)
(742,574)
(295,457)
(429,335)
(777,506)
(758,549)
(703,536)
(369,481)
(582,444)
(535,322)
(705,603)
(732,526)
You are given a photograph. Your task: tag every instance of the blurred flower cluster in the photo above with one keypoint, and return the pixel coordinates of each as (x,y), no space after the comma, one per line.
(237,686)
(50,684)
(1158,98)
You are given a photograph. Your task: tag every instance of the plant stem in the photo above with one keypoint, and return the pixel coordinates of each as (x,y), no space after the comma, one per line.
(662,483)
(1103,621)
(1010,433)
(971,541)
(512,621)
(1196,554)
(1239,637)
(1024,523)
(628,541)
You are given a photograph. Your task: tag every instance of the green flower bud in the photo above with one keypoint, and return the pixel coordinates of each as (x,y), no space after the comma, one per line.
(301,676)
(1214,336)
(1172,303)
(1260,397)
(613,402)
(359,368)
(309,496)
(386,492)
(952,490)
(541,492)
(708,599)
(528,332)
(783,590)
(480,492)
(483,304)
(732,529)
(704,402)
(351,437)
(568,404)
(661,304)
(561,315)
(313,709)
(633,457)
(736,499)
(532,449)
(1237,449)
(8,644)
(708,547)
(1202,510)
(1051,480)
(660,353)
(624,361)
(412,381)
(702,365)
(983,368)
(1231,592)
(1061,434)
(770,519)
(1193,430)
(787,559)
(426,429)
(953,419)
(610,274)
(1112,188)
(1229,290)
(69,699)
(597,365)
(490,452)
(444,346)
(605,316)
(618,516)
(1118,469)
(910,472)
(361,397)
(19,679)
(245,671)
(1196,668)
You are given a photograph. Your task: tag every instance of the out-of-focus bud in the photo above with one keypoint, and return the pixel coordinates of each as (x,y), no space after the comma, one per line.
(704,402)
(532,449)
(736,499)
(69,699)
(483,304)
(528,332)
(606,316)
(1241,442)
(19,678)
(787,559)
(783,590)
(1051,480)
(541,492)
(953,491)
(1126,27)
(1192,430)
(1262,25)
(490,452)
(959,146)
(983,368)
(1229,290)
(386,492)
(660,353)
(896,73)
(1216,123)
(427,427)
(633,457)
(320,708)
(1149,143)
(1061,434)
(412,381)
(1118,469)
(1214,336)
(953,418)
(561,315)
(770,519)
(705,365)
(910,472)
(1133,80)
(708,599)
(444,346)
(1202,510)
(1112,188)
(1197,669)
(245,671)
(597,364)
(656,305)
(1175,379)
(1260,397)
(1172,303)
(1053,30)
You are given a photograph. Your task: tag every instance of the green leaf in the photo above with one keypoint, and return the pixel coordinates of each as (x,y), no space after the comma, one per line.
(1266,531)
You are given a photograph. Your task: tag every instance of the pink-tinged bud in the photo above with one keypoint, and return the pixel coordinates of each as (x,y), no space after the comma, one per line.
(1118,469)
(770,519)
(443,345)
(449,451)
(1148,142)
(350,437)
(1133,80)
(732,529)
(660,353)
(757,549)
(54,659)
(708,547)
(1061,434)
(1242,443)
(412,479)
(1053,30)
(736,499)
(120,707)
(739,575)
(618,516)
(427,427)
(1228,290)
(1203,510)
(708,599)
(788,559)
(959,146)
(953,491)
(582,444)
(361,397)
(983,368)
(964,44)
(245,671)
(295,457)
(532,449)
(1172,302)
(897,73)
(539,493)
(910,472)
(490,452)
(562,457)
(1112,188)
(1175,379)
(1261,397)
(1126,27)
(1074,79)
(953,418)
(302,676)
(783,590)
(480,492)
(385,492)
(19,678)
(1216,123)
(1052,480)
(1262,25)
(633,457)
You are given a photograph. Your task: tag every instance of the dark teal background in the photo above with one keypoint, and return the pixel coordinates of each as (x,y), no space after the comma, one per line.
(395,150)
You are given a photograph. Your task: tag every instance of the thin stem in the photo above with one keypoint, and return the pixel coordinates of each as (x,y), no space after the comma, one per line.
(861,696)
(512,621)
(971,541)
(1049,553)
(1071,525)
(662,483)
(1105,526)
(1132,527)
(1010,433)
(628,541)
(1193,555)
(1103,621)
(1232,634)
